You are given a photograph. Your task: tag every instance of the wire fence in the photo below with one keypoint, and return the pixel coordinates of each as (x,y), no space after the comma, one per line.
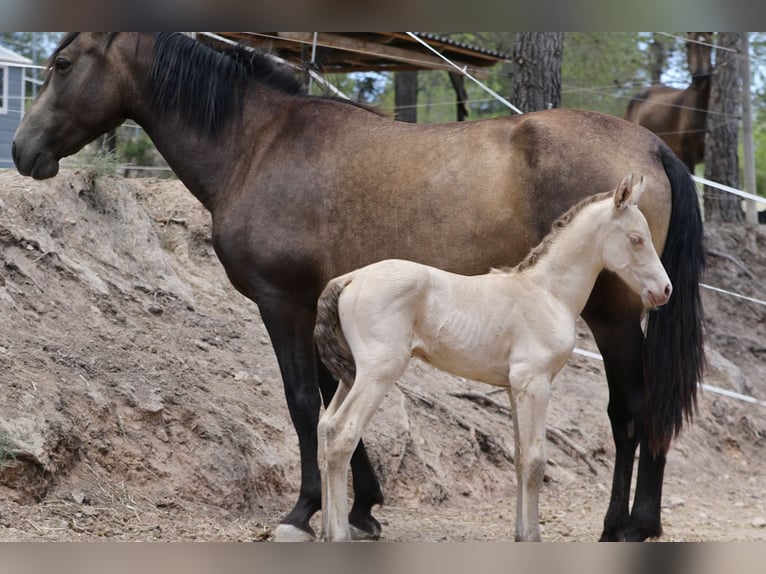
(451,66)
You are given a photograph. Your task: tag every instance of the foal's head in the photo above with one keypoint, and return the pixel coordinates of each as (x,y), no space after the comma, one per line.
(627,245)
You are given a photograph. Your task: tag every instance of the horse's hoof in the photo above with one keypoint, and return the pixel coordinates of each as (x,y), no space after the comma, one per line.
(634,534)
(371,532)
(291,533)
(612,536)
(359,534)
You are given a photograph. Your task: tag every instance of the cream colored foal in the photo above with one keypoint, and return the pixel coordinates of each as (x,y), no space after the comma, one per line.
(513,328)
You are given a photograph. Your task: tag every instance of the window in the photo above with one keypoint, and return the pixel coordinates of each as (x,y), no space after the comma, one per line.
(3,89)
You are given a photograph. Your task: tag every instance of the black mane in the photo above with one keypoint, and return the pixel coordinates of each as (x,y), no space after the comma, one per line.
(207,86)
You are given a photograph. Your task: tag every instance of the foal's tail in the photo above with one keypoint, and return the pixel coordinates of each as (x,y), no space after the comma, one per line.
(328,335)
(674,356)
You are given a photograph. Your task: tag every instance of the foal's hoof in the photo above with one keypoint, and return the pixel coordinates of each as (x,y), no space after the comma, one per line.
(290,533)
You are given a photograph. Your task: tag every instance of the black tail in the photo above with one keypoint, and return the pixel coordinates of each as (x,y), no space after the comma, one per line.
(674,356)
(328,336)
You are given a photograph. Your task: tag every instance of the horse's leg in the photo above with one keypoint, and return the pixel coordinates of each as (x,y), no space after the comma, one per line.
(367,491)
(622,363)
(621,344)
(645,516)
(340,430)
(529,401)
(291,325)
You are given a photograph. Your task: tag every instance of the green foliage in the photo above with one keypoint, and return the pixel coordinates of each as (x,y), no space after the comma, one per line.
(7,448)
(138,150)
(601,71)
(36,46)
(759,145)
(103,163)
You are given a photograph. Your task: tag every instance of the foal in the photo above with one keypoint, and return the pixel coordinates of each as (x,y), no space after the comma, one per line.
(513,328)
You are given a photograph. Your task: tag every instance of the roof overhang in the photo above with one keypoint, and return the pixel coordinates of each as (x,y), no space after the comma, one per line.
(346,52)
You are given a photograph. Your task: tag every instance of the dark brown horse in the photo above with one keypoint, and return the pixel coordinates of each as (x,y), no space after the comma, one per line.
(679,116)
(301,189)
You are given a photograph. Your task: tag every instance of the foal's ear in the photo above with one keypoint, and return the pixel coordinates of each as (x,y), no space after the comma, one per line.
(629,191)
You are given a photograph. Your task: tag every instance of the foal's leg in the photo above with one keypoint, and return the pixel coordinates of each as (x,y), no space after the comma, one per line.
(367,492)
(341,428)
(290,325)
(529,401)
(333,512)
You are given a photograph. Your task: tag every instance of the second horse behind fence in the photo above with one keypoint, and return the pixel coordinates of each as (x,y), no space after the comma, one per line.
(513,329)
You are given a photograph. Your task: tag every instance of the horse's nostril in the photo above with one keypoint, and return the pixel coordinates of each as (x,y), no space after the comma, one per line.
(668,290)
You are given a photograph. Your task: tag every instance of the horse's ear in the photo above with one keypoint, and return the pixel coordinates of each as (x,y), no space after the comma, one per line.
(629,191)
(623,192)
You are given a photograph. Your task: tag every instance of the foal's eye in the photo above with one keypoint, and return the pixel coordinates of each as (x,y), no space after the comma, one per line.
(62,64)
(636,239)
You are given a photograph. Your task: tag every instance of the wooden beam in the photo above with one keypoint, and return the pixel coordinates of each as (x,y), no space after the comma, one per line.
(369,49)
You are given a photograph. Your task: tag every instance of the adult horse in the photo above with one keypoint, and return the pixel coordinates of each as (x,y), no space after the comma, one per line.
(679,116)
(302,189)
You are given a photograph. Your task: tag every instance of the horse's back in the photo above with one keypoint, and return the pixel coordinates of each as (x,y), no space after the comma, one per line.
(462,197)
(570,154)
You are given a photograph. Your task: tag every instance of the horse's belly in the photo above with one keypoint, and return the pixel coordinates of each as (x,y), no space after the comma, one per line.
(492,370)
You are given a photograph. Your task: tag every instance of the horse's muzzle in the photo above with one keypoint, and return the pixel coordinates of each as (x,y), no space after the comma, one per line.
(40,165)
(659,298)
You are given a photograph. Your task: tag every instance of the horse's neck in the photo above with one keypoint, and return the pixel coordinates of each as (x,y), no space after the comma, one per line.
(205,164)
(568,270)
(701,87)
(197,161)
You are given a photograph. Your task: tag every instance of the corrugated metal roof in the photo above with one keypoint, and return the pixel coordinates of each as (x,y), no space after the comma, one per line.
(368,51)
(464,45)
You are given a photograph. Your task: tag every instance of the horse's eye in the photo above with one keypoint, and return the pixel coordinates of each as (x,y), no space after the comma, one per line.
(636,239)
(62,64)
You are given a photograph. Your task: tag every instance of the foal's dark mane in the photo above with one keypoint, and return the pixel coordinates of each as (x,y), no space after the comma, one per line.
(556,228)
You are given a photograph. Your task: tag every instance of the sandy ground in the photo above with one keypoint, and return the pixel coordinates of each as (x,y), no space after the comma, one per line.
(142,400)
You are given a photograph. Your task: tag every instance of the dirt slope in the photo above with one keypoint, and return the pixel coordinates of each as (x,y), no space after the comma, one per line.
(141,397)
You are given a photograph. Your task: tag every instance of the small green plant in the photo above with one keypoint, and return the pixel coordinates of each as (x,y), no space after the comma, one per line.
(7,448)
(103,163)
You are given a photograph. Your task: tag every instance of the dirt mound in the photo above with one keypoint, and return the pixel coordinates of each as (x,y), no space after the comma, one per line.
(142,400)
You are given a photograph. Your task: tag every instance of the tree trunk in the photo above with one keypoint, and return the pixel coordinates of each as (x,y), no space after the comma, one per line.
(406,96)
(458,84)
(537,70)
(724,111)
(658,57)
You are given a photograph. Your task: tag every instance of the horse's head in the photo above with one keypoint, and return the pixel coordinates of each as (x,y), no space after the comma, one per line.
(698,50)
(628,248)
(86,93)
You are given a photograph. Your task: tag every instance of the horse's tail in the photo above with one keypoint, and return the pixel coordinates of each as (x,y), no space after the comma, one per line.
(328,334)
(674,356)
